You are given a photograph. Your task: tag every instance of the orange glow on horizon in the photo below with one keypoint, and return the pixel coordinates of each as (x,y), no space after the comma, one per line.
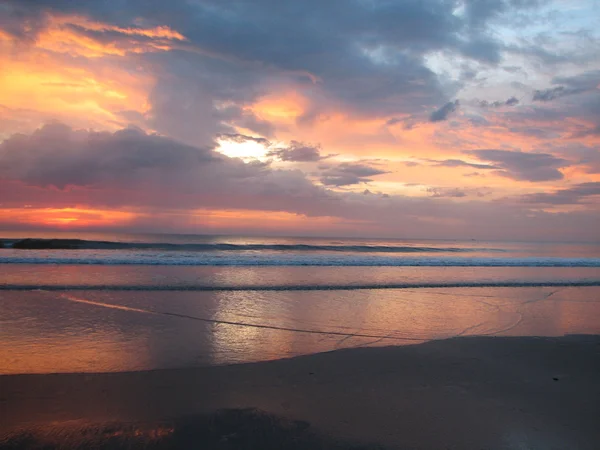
(276,220)
(67,218)
(234,219)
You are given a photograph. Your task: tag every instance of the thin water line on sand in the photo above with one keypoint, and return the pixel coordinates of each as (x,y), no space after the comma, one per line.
(350,287)
(227,322)
(492,305)
(545,297)
(520,313)
(453,294)
(345,338)
(510,327)
(472,327)
(376,341)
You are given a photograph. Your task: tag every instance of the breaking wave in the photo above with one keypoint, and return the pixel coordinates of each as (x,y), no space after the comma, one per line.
(260,259)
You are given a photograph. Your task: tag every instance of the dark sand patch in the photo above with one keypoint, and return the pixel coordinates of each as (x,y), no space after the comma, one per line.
(223,430)
(464,393)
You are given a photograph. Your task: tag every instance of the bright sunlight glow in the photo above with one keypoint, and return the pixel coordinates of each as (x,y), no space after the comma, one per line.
(244,150)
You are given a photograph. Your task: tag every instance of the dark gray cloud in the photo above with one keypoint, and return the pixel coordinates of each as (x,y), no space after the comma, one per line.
(588,158)
(579,117)
(588,80)
(576,84)
(454,192)
(394,121)
(523,166)
(366,56)
(460,163)
(478,12)
(241,117)
(408,123)
(538,120)
(512,101)
(443,113)
(560,124)
(547,48)
(22,21)
(473,174)
(588,111)
(549,94)
(594,131)
(120,12)
(576,194)
(346,174)
(58,156)
(298,152)
(446,192)
(241,138)
(513,69)
(511,164)
(196,99)
(166,181)
(130,167)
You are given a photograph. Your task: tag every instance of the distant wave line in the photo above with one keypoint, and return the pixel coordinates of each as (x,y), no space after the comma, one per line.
(80,244)
(341,287)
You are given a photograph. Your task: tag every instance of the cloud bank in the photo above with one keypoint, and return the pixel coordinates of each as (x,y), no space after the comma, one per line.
(125,111)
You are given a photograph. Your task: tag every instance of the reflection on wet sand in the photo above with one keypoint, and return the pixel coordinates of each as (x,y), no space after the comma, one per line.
(95,331)
(40,334)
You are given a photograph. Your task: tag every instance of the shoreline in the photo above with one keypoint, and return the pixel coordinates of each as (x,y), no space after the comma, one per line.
(468,392)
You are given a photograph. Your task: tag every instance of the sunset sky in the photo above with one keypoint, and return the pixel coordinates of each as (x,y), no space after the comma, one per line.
(410,118)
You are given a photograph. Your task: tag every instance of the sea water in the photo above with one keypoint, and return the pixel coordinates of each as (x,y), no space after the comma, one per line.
(137,302)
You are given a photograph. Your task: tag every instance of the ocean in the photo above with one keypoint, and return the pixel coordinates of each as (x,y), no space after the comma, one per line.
(127,302)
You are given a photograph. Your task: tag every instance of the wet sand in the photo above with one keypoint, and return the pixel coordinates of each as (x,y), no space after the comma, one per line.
(463,393)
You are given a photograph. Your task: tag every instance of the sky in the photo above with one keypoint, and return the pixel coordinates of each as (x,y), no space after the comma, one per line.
(444,119)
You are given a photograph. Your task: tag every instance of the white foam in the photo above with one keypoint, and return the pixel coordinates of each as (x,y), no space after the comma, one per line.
(116,257)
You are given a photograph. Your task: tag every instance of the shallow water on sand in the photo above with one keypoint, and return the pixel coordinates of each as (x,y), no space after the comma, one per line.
(97,330)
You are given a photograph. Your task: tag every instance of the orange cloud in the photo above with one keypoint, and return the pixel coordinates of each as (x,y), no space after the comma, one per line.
(283,107)
(266,220)
(36,87)
(355,138)
(47,80)
(70,34)
(82,21)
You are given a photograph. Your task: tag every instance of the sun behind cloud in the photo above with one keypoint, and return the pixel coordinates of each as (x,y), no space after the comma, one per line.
(246,150)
